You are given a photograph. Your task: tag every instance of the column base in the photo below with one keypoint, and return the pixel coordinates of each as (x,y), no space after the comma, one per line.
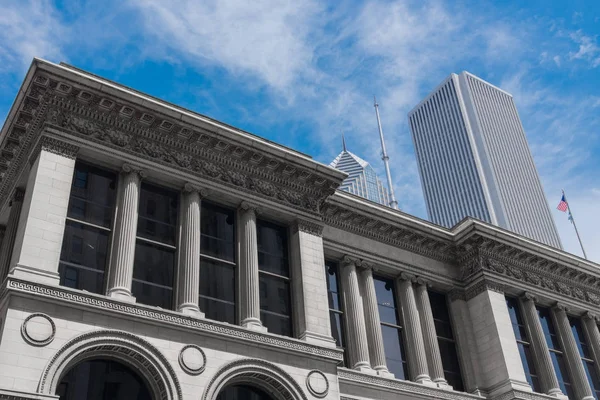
(365,369)
(442,384)
(35,274)
(191,310)
(384,373)
(254,324)
(557,393)
(121,294)
(425,380)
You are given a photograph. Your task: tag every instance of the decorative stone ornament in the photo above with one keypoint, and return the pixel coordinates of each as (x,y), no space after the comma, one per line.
(192,359)
(38,329)
(317,384)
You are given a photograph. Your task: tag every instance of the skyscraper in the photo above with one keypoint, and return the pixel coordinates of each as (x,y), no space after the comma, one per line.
(474,159)
(362,179)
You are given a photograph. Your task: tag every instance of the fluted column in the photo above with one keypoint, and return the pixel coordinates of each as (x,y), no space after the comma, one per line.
(579,380)
(188,287)
(358,348)
(592,335)
(249,278)
(372,322)
(8,243)
(539,346)
(123,251)
(432,347)
(417,357)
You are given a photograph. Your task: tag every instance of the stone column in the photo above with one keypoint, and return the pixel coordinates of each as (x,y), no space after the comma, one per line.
(123,249)
(580,384)
(415,347)
(188,287)
(249,278)
(358,348)
(592,335)
(432,347)
(372,322)
(10,233)
(541,354)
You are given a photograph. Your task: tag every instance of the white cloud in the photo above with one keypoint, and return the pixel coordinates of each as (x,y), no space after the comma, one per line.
(588,48)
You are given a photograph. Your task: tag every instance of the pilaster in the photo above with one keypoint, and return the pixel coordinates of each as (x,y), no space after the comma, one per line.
(38,240)
(311,314)
(541,354)
(188,287)
(125,231)
(358,348)
(249,278)
(580,384)
(415,347)
(432,348)
(372,321)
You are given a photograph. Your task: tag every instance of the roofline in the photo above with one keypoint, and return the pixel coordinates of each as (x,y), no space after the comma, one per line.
(467,73)
(431,93)
(182,114)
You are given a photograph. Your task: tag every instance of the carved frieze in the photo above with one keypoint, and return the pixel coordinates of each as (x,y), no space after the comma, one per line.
(78,111)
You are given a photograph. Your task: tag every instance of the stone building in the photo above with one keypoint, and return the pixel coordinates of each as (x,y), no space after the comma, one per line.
(149,252)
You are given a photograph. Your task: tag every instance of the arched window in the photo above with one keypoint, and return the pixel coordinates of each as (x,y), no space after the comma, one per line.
(102,380)
(242,392)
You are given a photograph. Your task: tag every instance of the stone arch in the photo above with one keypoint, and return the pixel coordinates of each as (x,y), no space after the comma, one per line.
(120,346)
(262,374)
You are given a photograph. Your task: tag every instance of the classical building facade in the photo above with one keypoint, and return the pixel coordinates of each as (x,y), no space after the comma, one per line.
(152,253)
(474,159)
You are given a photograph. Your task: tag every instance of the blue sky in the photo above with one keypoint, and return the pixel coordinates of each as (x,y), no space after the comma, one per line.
(302,72)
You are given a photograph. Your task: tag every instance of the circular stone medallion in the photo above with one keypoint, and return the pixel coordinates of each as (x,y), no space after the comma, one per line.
(38,329)
(317,383)
(192,359)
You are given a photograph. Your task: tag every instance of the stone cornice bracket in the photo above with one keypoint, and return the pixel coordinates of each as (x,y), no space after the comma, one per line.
(128,168)
(560,307)
(190,188)
(55,146)
(529,296)
(347,260)
(309,227)
(589,315)
(249,207)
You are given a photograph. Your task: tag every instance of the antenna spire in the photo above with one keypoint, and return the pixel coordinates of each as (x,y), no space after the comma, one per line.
(393,203)
(343,142)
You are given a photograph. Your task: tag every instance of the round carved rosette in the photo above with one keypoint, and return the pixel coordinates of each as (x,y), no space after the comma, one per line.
(192,359)
(317,384)
(38,329)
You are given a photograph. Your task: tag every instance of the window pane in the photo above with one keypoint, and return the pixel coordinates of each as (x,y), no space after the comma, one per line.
(548,328)
(84,245)
(337,330)
(217,280)
(157,214)
(331,275)
(394,352)
(592,376)
(516,319)
(561,371)
(217,310)
(274,294)
(276,324)
(152,295)
(272,248)
(79,278)
(529,366)
(384,289)
(92,195)
(217,232)
(579,338)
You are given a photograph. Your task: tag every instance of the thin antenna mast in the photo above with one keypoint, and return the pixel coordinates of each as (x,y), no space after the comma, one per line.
(572,218)
(386,159)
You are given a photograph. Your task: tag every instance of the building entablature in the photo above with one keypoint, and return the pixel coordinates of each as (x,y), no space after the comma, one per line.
(93,112)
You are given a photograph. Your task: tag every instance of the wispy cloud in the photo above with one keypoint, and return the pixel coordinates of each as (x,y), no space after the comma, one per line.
(588,48)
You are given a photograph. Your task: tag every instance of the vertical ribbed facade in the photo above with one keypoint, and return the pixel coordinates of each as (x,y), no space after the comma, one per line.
(474,160)
(189,264)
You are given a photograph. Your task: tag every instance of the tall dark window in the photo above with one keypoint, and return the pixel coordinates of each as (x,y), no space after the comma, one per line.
(155,246)
(523,343)
(586,356)
(89,218)
(217,263)
(446,341)
(391,327)
(336,315)
(274,278)
(555,352)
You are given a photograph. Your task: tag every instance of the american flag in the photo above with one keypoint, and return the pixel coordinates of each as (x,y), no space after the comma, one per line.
(562,206)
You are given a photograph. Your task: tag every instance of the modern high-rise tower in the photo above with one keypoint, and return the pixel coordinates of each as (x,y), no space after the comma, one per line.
(362,179)
(474,159)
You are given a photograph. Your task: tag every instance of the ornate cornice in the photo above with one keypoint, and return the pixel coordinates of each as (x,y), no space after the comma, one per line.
(482,286)
(56,146)
(203,325)
(368,226)
(308,227)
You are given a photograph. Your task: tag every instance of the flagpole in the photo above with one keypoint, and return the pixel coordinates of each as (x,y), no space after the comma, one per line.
(574,225)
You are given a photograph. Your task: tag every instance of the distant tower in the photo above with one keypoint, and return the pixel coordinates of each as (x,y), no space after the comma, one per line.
(385,158)
(474,159)
(362,179)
